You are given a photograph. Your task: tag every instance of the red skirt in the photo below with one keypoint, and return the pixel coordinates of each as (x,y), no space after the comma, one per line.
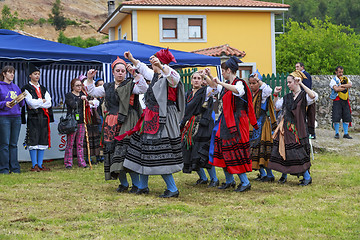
(234,153)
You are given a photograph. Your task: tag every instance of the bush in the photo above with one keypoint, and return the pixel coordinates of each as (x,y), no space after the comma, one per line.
(320,45)
(57,18)
(8,20)
(78,41)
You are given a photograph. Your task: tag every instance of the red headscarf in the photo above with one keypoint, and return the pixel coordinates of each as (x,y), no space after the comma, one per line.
(118,60)
(165,56)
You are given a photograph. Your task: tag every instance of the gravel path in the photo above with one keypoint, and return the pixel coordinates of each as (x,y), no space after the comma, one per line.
(325,141)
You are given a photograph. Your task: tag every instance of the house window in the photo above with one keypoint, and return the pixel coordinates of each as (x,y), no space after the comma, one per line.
(195,28)
(245,69)
(169,28)
(182,28)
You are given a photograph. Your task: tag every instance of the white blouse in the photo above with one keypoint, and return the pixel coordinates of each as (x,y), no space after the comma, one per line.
(37,103)
(279,103)
(139,88)
(173,76)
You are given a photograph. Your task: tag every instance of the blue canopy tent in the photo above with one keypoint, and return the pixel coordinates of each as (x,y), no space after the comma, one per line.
(59,63)
(143,52)
(17,46)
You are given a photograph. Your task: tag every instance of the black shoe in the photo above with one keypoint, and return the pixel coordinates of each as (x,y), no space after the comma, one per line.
(268,179)
(260,178)
(133,189)
(337,136)
(347,136)
(168,194)
(122,188)
(242,188)
(227,185)
(201,181)
(214,183)
(143,191)
(305,182)
(101,159)
(282,180)
(68,167)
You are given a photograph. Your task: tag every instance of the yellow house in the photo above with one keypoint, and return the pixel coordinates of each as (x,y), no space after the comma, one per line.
(190,25)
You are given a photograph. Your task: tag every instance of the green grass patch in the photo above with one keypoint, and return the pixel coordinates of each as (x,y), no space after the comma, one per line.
(79,204)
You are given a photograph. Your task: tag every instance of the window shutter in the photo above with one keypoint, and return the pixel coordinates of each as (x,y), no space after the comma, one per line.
(169,23)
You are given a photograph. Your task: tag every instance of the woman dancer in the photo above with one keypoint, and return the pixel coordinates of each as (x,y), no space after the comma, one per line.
(291,150)
(231,147)
(155,149)
(123,111)
(261,139)
(197,125)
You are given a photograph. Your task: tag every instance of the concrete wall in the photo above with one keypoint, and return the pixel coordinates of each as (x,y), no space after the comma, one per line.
(324,104)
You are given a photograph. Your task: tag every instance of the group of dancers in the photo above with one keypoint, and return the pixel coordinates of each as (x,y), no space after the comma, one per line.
(178,131)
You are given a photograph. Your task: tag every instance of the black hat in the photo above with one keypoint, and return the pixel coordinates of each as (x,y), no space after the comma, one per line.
(232,63)
(32,68)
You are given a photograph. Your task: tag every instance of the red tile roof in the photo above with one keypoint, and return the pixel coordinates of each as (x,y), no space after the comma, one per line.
(221,51)
(213,3)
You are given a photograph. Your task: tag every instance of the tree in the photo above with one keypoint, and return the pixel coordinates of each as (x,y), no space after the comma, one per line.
(57,19)
(8,21)
(345,12)
(320,45)
(322,9)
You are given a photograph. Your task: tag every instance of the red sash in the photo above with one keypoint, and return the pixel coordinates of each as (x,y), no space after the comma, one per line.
(46,112)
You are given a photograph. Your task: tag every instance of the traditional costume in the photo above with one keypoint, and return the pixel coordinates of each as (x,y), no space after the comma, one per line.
(122,112)
(39,116)
(155,146)
(341,109)
(291,149)
(231,146)
(261,139)
(196,129)
(93,121)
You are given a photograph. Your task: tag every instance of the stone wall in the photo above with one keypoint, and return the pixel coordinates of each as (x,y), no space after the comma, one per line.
(324,104)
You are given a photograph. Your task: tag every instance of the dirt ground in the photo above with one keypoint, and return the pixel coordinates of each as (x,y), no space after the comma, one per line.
(325,142)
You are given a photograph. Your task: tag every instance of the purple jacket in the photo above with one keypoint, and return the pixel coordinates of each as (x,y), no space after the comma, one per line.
(7,93)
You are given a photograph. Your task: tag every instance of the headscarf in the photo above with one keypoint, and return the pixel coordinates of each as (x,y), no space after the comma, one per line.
(258,73)
(118,60)
(232,63)
(82,77)
(98,79)
(298,74)
(165,56)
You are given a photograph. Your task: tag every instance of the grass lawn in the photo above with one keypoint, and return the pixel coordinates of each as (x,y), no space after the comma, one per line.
(78,203)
